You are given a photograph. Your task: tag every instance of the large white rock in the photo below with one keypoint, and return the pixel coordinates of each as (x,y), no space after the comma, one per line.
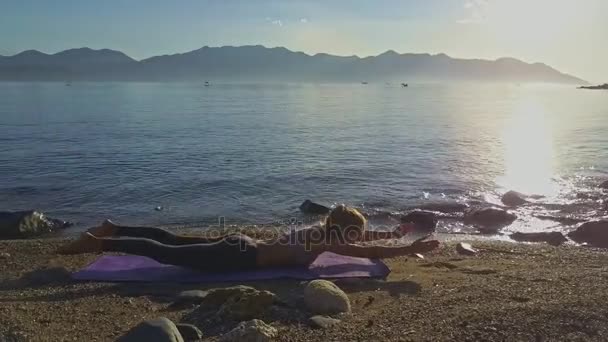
(324,297)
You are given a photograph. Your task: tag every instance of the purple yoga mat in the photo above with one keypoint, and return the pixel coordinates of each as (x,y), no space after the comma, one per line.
(132,268)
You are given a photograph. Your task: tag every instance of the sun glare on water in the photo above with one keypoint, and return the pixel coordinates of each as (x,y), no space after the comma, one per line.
(528,151)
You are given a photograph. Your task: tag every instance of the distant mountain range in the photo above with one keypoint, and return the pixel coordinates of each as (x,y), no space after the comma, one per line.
(258,63)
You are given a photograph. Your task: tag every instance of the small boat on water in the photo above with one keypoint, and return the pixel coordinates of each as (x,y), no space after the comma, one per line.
(404,85)
(68,84)
(207,83)
(364,83)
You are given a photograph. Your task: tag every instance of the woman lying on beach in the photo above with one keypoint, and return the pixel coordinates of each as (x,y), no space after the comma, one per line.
(343,228)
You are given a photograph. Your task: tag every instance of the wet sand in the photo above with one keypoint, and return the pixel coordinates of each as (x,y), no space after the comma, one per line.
(510,292)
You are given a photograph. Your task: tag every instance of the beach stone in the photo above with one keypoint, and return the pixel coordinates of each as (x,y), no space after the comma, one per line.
(489,217)
(158,330)
(324,297)
(513,198)
(423,220)
(4,256)
(190,297)
(219,296)
(323,322)
(604,185)
(312,208)
(552,238)
(250,331)
(247,305)
(594,233)
(466,249)
(27,224)
(189,332)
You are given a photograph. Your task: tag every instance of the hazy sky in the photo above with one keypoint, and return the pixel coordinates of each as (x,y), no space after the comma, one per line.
(570,35)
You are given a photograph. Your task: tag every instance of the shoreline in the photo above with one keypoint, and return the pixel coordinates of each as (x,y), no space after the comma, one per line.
(510,291)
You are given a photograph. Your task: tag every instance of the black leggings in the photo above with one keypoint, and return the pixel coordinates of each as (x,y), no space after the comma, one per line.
(227,253)
(165,236)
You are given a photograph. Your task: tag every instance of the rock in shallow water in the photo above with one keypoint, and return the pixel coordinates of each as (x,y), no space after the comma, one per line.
(158,330)
(513,199)
(594,233)
(251,331)
(425,221)
(27,224)
(324,297)
(552,238)
(311,208)
(490,217)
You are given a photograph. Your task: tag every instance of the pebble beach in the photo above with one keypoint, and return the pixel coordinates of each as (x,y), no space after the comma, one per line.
(507,292)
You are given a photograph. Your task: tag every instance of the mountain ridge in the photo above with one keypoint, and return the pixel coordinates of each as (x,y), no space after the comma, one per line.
(251,62)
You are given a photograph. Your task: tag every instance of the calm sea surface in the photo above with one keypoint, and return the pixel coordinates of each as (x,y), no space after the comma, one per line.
(253,153)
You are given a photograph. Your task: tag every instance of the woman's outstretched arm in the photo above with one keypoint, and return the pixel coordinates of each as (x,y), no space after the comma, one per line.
(380,252)
(400,231)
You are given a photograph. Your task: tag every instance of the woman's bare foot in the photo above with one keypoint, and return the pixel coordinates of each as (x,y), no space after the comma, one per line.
(106,229)
(87,243)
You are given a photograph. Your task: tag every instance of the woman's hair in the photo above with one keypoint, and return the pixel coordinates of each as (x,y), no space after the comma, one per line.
(346,224)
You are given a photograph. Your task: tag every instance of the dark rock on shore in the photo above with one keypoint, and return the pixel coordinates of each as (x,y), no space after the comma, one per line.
(489,217)
(604,185)
(594,233)
(27,224)
(159,330)
(311,208)
(513,199)
(423,220)
(552,238)
(189,332)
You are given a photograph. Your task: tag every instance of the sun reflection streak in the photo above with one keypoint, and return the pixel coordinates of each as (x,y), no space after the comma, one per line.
(529,153)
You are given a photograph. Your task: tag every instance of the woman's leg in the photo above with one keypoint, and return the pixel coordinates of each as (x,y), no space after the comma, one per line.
(109,229)
(232,253)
